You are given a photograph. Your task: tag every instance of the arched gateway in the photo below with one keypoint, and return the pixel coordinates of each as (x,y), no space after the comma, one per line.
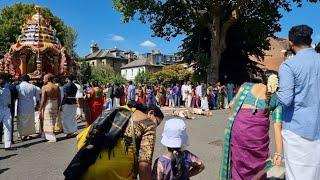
(37,51)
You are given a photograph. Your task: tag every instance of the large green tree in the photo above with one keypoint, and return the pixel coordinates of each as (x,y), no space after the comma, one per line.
(168,18)
(11,21)
(84,72)
(142,77)
(241,42)
(105,74)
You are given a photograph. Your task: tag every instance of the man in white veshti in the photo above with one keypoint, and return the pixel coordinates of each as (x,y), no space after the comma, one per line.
(26,107)
(300,96)
(69,108)
(184,94)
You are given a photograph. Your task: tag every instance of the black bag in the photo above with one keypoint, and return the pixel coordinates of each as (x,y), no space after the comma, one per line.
(103,134)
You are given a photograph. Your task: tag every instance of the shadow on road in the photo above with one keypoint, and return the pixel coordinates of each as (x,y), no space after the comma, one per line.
(38,141)
(4,170)
(30,144)
(7,157)
(65,138)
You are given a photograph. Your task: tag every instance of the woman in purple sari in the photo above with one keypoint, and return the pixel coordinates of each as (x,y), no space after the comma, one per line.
(246,145)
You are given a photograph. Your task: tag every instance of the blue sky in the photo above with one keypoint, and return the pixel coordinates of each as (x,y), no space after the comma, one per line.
(97,21)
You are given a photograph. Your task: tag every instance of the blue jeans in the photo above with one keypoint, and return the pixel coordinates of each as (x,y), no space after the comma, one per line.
(177,100)
(230,96)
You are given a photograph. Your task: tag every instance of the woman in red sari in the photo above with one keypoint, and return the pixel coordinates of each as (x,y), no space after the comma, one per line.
(141,98)
(95,102)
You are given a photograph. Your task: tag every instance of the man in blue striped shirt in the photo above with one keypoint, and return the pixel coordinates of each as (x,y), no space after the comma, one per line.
(299,93)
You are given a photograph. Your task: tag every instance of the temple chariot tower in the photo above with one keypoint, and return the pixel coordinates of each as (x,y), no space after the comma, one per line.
(37,51)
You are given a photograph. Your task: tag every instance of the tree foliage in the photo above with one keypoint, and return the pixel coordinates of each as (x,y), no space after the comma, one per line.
(84,72)
(171,74)
(168,18)
(105,74)
(13,17)
(142,77)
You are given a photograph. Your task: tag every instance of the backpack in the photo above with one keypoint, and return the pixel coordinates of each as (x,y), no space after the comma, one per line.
(102,134)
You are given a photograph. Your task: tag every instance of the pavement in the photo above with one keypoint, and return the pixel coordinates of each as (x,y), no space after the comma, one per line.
(39,160)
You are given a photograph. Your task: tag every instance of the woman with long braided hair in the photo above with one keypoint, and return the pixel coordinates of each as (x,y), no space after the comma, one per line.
(246,145)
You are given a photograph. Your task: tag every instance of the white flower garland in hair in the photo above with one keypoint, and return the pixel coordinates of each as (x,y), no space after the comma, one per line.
(273,83)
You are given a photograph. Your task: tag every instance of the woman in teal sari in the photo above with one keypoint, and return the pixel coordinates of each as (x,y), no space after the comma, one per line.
(246,145)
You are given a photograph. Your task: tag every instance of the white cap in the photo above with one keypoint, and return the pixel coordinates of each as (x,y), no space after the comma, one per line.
(174,133)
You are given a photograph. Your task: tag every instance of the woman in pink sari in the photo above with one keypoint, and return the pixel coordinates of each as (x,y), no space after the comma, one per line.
(246,145)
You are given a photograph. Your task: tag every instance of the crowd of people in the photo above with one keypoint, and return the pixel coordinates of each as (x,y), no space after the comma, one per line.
(42,109)
(188,95)
(56,105)
(292,101)
(121,144)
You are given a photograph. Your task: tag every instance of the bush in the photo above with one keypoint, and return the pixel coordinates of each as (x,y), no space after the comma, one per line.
(171,74)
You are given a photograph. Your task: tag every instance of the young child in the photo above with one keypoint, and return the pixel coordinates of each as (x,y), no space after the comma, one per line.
(176,164)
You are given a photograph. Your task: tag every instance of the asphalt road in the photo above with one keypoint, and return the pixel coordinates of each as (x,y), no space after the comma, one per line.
(39,160)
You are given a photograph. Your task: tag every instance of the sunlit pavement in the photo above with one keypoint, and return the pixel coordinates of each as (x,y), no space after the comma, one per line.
(38,160)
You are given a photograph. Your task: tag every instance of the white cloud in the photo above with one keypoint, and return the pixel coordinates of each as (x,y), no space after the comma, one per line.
(148,44)
(116,38)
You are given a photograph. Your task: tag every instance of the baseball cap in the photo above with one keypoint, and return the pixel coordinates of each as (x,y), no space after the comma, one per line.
(174,133)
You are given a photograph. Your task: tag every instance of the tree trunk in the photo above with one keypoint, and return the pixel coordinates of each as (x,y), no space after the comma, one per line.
(214,65)
(218,43)
(215,50)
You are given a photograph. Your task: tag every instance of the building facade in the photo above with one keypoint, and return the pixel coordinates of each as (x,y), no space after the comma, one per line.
(114,57)
(132,69)
(273,57)
(165,59)
(128,63)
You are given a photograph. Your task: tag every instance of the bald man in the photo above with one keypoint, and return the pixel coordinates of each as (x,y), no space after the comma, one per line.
(50,106)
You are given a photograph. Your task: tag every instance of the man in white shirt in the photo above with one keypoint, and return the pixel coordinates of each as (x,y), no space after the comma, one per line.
(79,97)
(188,91)
(26,109)
(198,95)
(184,93)
(5,114)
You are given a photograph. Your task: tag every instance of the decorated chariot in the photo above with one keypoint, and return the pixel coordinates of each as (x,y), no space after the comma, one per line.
(37,51)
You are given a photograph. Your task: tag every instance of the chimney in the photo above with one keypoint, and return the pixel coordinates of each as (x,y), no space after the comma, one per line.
(94,47)
(130,56)
(154,54)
